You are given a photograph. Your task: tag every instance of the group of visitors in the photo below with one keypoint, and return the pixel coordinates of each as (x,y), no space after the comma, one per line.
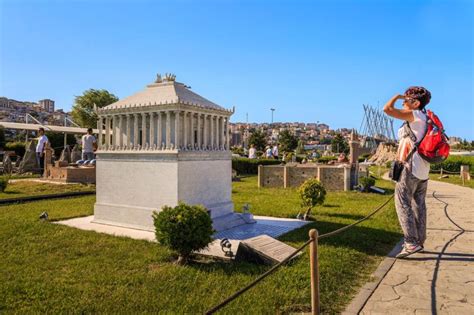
(88,142)
(270,152)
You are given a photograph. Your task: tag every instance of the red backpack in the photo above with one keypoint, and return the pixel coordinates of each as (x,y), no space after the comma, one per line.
(434,147)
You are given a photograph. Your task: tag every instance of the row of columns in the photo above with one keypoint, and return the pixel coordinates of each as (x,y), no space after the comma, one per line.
(200,131)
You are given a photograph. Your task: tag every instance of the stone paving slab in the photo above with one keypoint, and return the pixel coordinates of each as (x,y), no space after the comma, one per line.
(439,280)
(271,226)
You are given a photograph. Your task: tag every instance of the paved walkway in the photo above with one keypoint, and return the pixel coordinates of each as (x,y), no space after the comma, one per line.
(441,279)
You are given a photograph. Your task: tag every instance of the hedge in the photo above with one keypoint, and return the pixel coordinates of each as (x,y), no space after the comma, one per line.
(454,162)
(18,147)
(326,159)
(250,166)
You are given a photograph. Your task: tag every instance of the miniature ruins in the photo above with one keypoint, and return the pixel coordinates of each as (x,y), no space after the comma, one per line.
(65,169)
(339,177)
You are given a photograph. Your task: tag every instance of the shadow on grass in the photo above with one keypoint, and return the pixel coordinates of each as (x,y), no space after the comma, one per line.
(342,215)
(12,192)
(363,239)
(330,206)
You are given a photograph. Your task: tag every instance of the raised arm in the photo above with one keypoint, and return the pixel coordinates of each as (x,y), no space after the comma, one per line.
(403,114)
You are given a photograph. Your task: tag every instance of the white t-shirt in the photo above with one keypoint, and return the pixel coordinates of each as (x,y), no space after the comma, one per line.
(88,143)
(252,153)
(268,153)
(41,143)
(275,151)
(419,167)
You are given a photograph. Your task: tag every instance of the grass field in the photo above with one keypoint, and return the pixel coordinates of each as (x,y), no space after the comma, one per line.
(453,179)
(25,188)
(57,269)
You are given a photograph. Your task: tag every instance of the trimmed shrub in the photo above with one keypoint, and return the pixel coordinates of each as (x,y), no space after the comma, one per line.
(366,182)
(18,147)
(183,229)
(250,166)
(312,193)
(3,183)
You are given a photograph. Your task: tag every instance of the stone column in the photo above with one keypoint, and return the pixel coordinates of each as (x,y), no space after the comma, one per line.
(177,133)
(144,130)
(185,130)
(159,127)
(168,129)
(135,130)
(199,135)
(129,132)
(99,128)
(205,131)
(152,130)
(107,132)
(114,130)
(192,131)
(227,133)
(211,118)
(120,135)
(222,134)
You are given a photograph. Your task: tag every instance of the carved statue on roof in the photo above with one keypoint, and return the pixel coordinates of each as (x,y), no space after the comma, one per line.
(169,77)
(158,78)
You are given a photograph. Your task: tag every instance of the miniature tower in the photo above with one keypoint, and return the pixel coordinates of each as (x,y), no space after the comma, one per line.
(160,146)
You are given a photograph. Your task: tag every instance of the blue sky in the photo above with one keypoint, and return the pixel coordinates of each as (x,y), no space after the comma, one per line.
(311,60)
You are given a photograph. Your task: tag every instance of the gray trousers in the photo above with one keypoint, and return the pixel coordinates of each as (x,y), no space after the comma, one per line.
(410,194)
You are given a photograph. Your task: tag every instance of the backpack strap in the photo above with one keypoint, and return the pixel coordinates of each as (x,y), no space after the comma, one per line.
(413,137)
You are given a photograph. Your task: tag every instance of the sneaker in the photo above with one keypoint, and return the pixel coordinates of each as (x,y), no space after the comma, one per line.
(409,249)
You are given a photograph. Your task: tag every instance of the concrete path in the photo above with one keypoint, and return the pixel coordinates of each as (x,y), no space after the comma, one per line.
(441,279)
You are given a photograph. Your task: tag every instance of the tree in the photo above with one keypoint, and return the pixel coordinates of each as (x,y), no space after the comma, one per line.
(258,139)
(312,193)
(339,144)
(83,108)
(2,137)
(287,141)
(300,148)
(57,141)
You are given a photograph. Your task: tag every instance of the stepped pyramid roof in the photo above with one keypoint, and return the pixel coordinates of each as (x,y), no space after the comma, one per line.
(164,92)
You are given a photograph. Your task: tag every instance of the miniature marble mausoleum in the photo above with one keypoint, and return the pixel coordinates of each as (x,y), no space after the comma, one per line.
(157,147)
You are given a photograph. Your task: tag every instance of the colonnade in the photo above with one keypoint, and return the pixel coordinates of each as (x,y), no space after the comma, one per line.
(163,130)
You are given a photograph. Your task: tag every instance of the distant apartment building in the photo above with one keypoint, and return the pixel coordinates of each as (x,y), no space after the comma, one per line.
(47,105)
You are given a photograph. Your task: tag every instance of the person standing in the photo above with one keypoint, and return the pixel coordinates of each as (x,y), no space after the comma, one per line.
(42,139)
(252,152)
(89,145)
(275,151)
(410,190)
(268,153)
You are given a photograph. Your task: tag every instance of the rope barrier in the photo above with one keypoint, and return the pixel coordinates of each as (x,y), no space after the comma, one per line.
(274,268)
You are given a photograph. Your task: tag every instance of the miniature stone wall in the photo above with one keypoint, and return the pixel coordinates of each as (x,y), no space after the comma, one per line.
(71,174)
(337,178)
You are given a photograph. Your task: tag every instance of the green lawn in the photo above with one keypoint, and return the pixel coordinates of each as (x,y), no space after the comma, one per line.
(25,188)
(57,269)
(453,179)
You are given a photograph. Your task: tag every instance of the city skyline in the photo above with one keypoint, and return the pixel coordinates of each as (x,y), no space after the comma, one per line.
(310,61)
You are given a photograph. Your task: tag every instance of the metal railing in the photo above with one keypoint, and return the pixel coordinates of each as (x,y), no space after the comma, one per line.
(314,265)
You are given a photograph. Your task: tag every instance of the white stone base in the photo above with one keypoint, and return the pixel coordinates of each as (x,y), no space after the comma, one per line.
(131,185)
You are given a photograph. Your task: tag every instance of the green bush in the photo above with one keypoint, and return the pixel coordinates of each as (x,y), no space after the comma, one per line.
(250,166)
(183,228)
(453,163)
(326,159)
(18,147)
(366,182)
(312,193)
(3,183)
